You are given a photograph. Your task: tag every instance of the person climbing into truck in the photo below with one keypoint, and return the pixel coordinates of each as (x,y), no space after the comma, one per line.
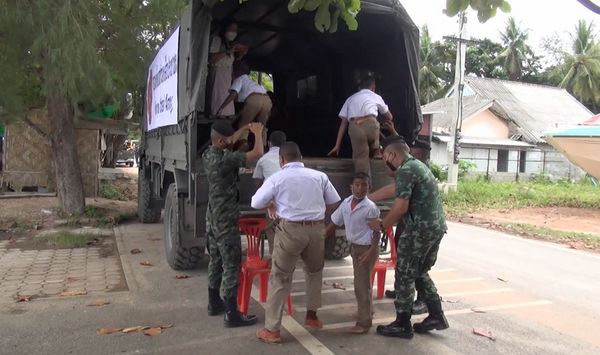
(359,115)
(257,103)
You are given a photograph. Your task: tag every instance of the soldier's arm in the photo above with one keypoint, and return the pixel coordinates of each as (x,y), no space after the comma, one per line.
(258,150)
(384,193)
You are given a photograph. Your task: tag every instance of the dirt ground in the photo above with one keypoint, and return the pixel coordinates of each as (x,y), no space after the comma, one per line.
(559,218)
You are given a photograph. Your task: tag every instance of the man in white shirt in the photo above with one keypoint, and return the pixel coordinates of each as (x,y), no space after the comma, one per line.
(359,115)
(268,165)
(301,197)
(257,104)
(354,213)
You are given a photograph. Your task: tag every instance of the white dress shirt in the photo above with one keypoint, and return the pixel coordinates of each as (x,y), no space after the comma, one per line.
(299,193)
(267,165)
(244,86)
(363,103)
(355,221)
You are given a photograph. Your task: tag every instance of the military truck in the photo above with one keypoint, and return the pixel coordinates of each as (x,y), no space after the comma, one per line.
(313,73)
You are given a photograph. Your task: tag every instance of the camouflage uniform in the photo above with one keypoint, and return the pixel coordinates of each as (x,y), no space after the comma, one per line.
(419,242)
(224,242)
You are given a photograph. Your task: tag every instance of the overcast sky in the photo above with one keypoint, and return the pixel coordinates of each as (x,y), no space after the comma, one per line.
(541,17)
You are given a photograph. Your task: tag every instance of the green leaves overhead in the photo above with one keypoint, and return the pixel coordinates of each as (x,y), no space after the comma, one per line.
(486,9)
(328,12)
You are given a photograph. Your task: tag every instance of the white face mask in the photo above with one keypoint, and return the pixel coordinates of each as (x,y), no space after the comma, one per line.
(230,36)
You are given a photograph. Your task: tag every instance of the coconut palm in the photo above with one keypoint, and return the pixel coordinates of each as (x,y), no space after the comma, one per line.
(430,70)
(582,67)
(516,49)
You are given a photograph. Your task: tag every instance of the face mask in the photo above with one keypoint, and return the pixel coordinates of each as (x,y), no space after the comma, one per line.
(230,36)
(389,165)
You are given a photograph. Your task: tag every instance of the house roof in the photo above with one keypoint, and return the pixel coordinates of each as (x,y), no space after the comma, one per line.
(443,110)
(534,109)
(493,142)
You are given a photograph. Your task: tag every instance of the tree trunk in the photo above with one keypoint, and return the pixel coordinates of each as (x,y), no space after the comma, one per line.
(69,183)
(114,144)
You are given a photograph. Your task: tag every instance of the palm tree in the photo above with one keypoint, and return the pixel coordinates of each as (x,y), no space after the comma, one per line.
(582,67)
(516,49)
(429,73)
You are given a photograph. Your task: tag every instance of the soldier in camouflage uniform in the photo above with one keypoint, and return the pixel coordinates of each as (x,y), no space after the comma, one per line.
(224,243)
(419,204)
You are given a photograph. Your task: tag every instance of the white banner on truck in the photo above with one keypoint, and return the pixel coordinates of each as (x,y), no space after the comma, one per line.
(161,89)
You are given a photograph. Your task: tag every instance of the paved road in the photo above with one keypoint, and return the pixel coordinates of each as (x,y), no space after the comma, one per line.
(546,303)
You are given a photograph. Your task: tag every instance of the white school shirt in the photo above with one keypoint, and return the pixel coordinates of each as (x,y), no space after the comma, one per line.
(244,86)
(267,165)
(357,228)
(299,193)
(363,103)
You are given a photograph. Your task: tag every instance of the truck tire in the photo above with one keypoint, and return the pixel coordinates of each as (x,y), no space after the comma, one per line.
(178,257)
(146,212)
(336,247)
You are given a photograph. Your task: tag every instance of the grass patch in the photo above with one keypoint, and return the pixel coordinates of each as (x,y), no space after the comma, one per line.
(477,195)
(591,241)
(66,240)
(110,191)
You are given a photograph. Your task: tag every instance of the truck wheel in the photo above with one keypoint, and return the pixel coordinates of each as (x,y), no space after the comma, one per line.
(179,258)
(146,212)
(336,247)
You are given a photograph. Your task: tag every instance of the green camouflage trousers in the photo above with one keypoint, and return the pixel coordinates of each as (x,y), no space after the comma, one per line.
(225,250)
(416,255)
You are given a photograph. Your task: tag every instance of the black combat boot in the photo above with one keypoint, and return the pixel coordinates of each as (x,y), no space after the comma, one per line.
(400,328)
(435,320)
(233,317)
(216,305)
(419,307)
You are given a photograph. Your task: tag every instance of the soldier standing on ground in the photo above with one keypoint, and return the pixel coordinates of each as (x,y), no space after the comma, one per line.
(301,197)
(224,242)
(419,204)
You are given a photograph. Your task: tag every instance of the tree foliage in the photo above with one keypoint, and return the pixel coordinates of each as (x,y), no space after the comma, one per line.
(516,50)
(430,71)
(485,9)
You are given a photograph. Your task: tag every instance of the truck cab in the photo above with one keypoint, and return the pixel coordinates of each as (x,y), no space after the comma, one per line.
(312,72)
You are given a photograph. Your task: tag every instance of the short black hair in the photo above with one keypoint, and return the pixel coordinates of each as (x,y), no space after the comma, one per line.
(290,151)
(367,81)
(240,68)
(362,176)
(277,138)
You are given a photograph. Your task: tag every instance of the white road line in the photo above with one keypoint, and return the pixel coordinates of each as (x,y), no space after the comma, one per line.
(389,300)
(307,340)
(352,277)
(448,313)
(348,289)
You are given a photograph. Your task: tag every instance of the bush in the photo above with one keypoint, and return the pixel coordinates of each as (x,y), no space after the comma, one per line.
(464,167)
(441,174)
(109,191)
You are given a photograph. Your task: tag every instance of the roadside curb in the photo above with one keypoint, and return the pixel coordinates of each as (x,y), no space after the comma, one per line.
(125,262)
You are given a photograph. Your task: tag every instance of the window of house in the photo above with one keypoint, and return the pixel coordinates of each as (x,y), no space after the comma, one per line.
(522,161)
(502,161)
(307,87)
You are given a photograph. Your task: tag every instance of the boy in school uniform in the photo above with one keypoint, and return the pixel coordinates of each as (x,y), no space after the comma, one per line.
(354,213)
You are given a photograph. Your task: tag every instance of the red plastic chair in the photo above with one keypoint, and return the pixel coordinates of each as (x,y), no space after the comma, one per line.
(254,265)
(383,264)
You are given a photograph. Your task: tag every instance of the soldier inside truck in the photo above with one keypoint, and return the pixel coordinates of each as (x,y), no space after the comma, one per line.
(313,73)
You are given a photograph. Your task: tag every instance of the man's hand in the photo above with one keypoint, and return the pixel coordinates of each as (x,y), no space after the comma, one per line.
(366,256)
(375,224)
(256,128)
(272,211)
(330,231)
(334,152)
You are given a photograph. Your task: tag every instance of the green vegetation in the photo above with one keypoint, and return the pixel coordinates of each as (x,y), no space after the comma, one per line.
(110,191)
(66,240)
(477,195)
(591,241)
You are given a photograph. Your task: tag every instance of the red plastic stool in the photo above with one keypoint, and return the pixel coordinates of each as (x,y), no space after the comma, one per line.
(383,264)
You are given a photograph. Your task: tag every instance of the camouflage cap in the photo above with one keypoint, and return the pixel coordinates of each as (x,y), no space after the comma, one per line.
(223,127)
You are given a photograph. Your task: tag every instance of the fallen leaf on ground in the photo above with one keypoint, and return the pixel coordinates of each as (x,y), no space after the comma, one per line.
(484,333)
(23,298)
(73,293)
(451,301)
(475,310)
(92,242)
(72,279)
(153,239)
(339,286)
(153,331)
(99,303)
(165,326)
(501,279)
(138,328)
(179,277)
(108,330)
(146,263)
(135,251)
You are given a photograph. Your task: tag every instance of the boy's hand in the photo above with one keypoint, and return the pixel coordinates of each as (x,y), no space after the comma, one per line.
(375,224)
(256,128)
(330,231)
(367,255)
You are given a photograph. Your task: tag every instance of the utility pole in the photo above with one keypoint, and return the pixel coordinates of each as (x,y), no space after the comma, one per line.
(459,74)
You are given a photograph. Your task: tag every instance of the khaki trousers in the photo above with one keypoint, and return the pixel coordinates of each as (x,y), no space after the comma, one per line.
(257,108)
(294,241)
(364,137)
(362,284)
